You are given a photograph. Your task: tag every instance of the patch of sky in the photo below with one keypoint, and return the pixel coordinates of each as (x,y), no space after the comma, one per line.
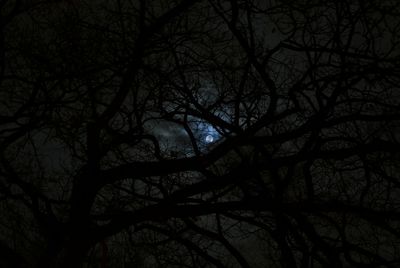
(205,132)
(206,95)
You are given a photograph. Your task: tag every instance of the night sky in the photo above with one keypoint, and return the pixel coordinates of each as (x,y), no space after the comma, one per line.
(199,133)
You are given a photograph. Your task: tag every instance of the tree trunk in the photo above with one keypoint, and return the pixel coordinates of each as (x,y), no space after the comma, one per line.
(70,255)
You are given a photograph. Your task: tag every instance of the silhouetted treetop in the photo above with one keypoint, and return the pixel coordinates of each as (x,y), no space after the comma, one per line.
(199,133)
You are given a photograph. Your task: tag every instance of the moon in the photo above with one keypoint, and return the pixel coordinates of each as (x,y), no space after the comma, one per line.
(209,139)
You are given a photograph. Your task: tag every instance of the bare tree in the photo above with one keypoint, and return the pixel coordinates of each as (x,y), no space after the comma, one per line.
(199,133)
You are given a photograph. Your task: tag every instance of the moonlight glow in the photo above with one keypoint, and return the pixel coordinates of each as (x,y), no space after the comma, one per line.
(209,138)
